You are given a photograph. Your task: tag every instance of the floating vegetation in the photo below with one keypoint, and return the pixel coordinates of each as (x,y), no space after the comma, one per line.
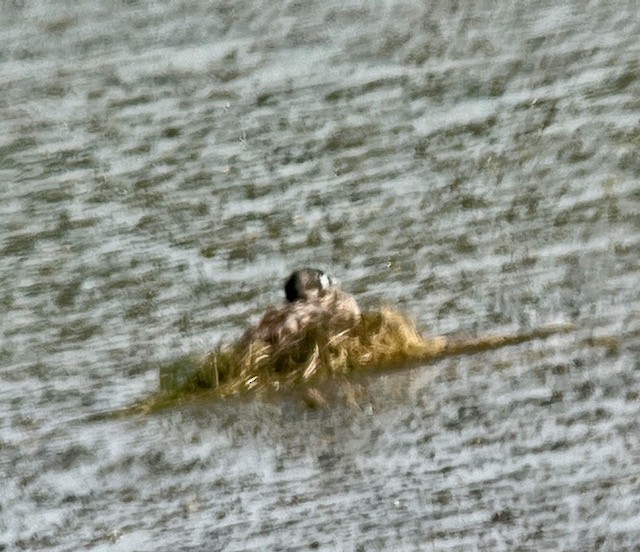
(381,340)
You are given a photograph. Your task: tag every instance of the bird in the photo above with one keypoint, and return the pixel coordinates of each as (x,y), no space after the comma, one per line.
(312,298)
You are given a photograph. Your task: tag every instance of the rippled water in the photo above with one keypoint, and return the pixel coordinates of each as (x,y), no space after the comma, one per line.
(163,165)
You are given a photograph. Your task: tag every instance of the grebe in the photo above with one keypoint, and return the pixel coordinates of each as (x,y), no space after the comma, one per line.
(312,298)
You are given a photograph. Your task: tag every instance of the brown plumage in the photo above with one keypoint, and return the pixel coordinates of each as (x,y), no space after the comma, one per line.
(313,299)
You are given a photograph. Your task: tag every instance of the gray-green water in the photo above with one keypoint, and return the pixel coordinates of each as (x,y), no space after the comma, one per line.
(164,164)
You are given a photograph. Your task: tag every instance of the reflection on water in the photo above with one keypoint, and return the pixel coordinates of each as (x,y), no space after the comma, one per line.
(165,165)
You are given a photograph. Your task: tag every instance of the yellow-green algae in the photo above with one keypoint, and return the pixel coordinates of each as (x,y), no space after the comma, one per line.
(381,340)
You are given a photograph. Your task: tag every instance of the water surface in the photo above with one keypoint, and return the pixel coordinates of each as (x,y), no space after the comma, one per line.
(164,166)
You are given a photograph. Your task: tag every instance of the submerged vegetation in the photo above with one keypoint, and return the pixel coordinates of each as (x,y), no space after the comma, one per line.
(380,340)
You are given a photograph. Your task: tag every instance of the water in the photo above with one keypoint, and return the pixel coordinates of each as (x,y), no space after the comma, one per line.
(164,165)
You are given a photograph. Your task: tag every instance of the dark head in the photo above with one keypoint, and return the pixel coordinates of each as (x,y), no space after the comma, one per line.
(306,284)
